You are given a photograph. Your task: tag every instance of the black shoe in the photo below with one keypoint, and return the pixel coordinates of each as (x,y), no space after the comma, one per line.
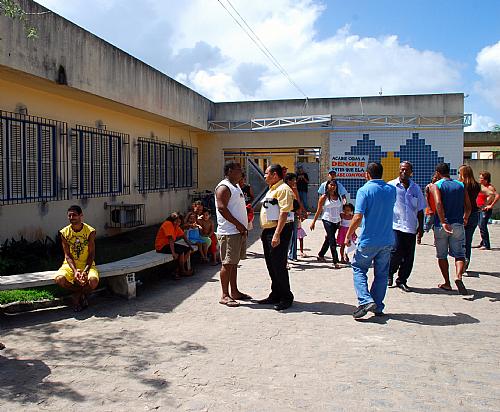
(379,313)
(268,301)
(403,287)
(390,281)
(362,310)
(283,305)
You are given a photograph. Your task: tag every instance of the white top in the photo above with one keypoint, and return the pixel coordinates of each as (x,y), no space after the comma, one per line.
(332,210)
(236,207)
(345,222)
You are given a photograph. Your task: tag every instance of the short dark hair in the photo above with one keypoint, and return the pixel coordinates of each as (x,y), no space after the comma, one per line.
(349,206)
(230,165)
(276,168)
(289,176)
(407,162)
(174,216)
(443,169)
(75,208)
(375,169)
(486,175)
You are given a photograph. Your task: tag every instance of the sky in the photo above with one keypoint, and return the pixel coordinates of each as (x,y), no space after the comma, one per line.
(329,48)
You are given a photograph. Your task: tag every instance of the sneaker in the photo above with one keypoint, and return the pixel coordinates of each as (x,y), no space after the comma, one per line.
(362,310)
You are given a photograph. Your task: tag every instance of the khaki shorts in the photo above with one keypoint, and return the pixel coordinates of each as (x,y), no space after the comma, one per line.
(66,271)
(233,248)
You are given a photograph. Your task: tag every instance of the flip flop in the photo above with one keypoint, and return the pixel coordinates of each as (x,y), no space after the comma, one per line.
(461,287)
(243,296)
(444,287)
(229,302)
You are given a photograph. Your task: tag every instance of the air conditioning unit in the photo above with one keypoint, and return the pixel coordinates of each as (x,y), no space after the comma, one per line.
(124,215)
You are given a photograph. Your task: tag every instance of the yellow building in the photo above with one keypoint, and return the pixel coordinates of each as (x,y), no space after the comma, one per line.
(82,122)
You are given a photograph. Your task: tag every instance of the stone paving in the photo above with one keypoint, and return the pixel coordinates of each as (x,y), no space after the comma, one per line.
(175,347)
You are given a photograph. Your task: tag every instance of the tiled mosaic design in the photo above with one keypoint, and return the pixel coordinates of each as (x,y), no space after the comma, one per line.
(424,149)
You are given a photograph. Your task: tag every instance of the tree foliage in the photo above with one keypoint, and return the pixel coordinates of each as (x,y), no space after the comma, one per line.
(13,10)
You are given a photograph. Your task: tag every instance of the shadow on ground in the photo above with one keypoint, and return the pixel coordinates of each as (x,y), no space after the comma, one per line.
(126,354)
(423,319)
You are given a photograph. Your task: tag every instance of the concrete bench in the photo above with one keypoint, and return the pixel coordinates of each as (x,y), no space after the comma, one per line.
(121,274)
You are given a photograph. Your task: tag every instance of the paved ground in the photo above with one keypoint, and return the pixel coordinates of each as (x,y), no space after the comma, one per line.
(175,347)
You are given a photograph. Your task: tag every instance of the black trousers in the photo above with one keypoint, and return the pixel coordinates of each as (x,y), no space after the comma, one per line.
(276,261)
(330,240)
(402,255)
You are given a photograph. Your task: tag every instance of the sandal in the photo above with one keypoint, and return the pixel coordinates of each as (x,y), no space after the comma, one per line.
(321,259)
(229,302)
(444,286)
(242,296)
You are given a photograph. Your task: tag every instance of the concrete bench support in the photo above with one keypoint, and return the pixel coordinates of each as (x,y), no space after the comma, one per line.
(123,285)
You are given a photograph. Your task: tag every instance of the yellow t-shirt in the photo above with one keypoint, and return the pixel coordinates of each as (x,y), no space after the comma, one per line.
(78,243)
(284,195)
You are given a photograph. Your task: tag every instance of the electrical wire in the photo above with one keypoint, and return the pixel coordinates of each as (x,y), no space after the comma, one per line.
(260,44)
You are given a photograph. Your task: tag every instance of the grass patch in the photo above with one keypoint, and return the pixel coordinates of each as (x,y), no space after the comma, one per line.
(30,295)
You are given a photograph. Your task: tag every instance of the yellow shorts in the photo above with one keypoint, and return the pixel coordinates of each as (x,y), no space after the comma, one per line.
(66,271)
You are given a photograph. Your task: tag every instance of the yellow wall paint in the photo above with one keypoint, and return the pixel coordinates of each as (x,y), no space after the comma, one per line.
(391,166)
(34,220)
(212,146)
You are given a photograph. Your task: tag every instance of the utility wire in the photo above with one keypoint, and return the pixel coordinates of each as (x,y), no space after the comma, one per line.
(260,44)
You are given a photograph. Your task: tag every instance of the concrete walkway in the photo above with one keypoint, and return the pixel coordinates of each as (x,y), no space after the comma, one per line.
(175,347)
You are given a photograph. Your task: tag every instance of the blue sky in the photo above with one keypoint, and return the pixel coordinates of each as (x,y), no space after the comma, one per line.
(330,48)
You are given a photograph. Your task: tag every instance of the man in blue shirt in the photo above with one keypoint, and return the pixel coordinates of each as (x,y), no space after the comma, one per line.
(374,205)
(408,218)
(452,212)
(332,174)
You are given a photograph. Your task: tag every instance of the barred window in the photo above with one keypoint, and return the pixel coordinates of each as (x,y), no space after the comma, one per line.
(185,166)
(153,166)
(100,162)
(33,159)
(163,166)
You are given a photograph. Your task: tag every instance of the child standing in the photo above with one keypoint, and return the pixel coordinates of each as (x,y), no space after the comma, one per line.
(301,234)
(208,235)
(346,217)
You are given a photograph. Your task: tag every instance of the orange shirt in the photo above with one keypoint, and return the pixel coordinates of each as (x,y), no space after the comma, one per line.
(167,230)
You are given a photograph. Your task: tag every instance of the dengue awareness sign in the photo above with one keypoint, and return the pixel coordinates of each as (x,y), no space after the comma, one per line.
(350,166)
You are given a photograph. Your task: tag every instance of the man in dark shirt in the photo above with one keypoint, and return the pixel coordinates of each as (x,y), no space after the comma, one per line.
(302,186)
(452,212)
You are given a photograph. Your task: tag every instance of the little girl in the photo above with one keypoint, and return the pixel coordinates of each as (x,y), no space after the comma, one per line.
(346,217)
(301,234)
(192,229)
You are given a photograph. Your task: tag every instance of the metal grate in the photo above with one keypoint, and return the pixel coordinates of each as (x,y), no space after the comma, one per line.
(100,162)
(153,166)
(162,166)
(185,166)
(33,159)
(125,215)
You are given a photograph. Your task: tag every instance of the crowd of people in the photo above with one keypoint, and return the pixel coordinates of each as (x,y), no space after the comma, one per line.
(394,216)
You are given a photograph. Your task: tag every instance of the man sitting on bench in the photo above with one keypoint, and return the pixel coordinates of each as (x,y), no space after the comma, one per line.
(78,272)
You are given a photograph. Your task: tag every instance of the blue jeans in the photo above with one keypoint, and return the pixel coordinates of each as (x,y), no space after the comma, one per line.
(484,217)
(469,233)
(362,260)
(303,199)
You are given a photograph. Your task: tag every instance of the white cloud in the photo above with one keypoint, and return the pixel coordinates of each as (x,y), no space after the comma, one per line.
(480,123)
(488,67)
(167,34)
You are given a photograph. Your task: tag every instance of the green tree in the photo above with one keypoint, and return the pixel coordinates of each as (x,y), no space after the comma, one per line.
(496,128)
(13,10)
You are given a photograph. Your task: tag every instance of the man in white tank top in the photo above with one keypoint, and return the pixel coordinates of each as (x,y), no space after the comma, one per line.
(232,224)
